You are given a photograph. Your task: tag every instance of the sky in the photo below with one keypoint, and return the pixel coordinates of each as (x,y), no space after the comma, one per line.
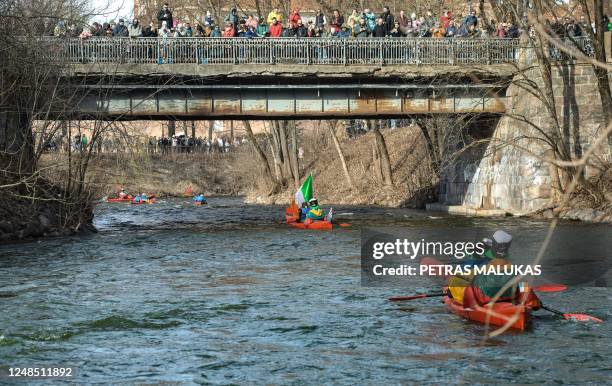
(113,9)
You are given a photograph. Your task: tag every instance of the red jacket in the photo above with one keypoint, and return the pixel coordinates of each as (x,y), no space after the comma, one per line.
(276,30)
(294,17)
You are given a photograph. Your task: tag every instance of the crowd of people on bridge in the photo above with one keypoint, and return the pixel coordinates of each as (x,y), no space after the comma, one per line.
(358,24)
(186,144)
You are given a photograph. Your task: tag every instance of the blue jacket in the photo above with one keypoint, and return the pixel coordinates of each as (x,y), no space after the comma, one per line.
(199,198)
(303,213)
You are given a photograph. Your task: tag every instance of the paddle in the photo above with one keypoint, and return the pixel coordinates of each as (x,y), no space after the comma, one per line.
(576,317)
(421,296)
(550,288)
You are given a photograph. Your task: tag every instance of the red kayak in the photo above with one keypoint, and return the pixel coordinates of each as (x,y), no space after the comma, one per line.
(499,315)
(291,217)
(119,199)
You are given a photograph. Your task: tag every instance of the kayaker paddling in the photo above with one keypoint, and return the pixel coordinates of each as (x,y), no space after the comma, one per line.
(479,290)
(304,212)
(315,213)
(199,199)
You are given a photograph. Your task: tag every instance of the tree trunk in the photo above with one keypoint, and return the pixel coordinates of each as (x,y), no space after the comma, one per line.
(603,83)
(285,149)
(294,155)
(263,160)
(332,132)
(193,129)
(210,130)
(258,8)
(558,143)
(16,146)
(275,156)
(431,148)
(385,162)
(482,15)
(276,151)
(376,163)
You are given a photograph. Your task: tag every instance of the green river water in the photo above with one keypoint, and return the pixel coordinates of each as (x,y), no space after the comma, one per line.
(228,294)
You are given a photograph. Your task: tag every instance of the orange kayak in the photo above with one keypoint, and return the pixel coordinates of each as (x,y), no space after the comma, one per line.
(322,225)
(291,217)
(500,314)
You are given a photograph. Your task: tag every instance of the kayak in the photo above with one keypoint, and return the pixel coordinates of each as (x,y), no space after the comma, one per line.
(292,219)
(149,201)
(118,199)
(501,313)
(321,225)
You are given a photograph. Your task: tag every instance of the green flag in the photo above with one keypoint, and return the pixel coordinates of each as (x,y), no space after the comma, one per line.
(305,192)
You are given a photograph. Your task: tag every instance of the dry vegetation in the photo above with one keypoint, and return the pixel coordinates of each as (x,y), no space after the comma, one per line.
(413,181)
(162,175)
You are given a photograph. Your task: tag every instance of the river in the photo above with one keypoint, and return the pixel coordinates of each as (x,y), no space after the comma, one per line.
(227,294)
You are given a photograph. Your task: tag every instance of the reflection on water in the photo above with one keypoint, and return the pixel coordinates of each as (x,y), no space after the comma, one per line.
(228,294)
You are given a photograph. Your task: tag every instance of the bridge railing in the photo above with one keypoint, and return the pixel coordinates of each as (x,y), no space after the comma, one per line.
(304,51)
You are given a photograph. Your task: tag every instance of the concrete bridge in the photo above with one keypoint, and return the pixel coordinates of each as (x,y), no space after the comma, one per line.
(340,78)
(218,78)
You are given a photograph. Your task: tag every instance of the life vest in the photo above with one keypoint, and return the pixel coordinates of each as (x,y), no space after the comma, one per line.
(315,213)
(481,289)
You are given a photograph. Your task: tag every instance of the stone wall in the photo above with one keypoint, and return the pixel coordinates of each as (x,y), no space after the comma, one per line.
(507,176)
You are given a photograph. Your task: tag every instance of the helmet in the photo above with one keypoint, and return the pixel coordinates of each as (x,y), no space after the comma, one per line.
(313,202)
(501,244)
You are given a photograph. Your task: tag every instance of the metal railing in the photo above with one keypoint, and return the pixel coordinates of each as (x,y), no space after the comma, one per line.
(304,51)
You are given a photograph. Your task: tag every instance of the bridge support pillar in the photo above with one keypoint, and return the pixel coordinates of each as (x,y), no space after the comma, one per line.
(16,145)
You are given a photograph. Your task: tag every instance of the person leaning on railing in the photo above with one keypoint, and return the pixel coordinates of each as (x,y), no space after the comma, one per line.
(263,28)
(361,30)
(120,29)
(134,30)
(276,28)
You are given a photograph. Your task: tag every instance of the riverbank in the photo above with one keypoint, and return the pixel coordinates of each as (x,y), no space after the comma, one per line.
(235,173)
(41,209)
(414,184)
(165,175)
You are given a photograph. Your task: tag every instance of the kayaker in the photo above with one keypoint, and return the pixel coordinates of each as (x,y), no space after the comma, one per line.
(123,193)
(144,197)
(200,198)
(481,289)
(136,199)
(304,211)
(480,259)
(314,213)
